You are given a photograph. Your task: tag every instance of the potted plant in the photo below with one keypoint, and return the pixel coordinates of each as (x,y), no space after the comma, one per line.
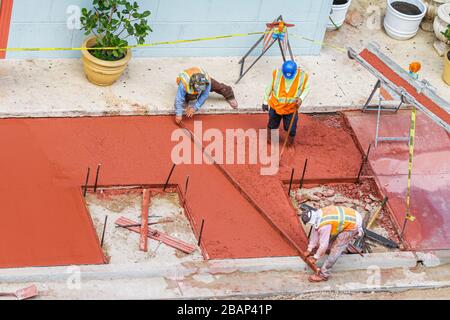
(403,18)
(446,75)
(111,23)
(339,10)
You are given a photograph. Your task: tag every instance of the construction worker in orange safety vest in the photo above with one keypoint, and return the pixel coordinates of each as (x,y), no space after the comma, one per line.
(340,225)
(284,96)
(194,87)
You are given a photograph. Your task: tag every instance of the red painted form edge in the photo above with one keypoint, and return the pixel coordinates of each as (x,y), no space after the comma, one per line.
(144,220)
(5,22)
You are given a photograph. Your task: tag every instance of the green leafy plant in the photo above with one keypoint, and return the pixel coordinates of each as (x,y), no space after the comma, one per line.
(447,32)
(112,22)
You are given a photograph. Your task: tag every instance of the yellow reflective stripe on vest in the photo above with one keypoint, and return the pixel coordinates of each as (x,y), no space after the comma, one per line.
(341,219)
(185,78)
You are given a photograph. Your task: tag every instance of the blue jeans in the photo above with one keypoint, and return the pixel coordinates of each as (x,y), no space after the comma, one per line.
(275,120)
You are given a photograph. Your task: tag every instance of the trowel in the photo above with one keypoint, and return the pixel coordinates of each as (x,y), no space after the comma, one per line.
(22,294)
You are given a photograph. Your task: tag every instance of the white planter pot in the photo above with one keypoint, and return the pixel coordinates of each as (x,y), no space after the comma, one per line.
(338,14)
(441,21)
(402,26)
(432,6)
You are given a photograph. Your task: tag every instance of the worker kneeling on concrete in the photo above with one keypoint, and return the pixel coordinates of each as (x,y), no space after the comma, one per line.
(284,96)
(194,87)
(338,225)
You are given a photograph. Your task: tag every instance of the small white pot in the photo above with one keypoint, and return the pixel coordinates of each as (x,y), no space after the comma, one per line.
(441,21)
(402,26)
(338,15)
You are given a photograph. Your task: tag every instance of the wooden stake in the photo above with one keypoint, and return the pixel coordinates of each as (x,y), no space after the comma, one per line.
(143,243)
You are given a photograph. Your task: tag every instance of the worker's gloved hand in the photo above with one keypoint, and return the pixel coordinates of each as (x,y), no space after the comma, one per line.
(265,107)
(299,102)
(190,112)
(179,120)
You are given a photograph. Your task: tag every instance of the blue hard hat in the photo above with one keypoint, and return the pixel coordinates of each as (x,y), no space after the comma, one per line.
(289,69)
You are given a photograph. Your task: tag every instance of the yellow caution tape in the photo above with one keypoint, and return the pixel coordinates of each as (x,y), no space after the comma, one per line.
(322,43)
(138,45)
(412,135)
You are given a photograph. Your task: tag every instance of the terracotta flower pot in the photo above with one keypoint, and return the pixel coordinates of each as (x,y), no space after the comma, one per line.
(101,72)
(447,68)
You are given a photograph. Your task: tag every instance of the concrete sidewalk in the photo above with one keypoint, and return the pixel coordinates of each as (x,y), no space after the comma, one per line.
(39,88)
(256,278)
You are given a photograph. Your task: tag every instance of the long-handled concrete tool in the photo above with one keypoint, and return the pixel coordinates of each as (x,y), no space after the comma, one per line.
(22,294)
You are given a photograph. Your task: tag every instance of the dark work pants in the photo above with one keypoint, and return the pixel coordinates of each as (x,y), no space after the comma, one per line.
(275,120)
(217,87)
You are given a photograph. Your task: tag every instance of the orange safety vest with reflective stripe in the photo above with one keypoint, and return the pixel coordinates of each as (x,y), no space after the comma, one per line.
(281,101)
(185,78)
(340,218)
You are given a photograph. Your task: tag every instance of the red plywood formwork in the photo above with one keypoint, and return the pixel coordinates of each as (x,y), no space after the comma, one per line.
(45,163)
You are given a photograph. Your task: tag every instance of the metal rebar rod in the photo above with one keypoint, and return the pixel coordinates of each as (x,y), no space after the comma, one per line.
(303,174)
(87,181)
(201,233)
(186,186)
(96,177)
(366,157)
(290,182)
(104,230)
(281,49)
(168,177)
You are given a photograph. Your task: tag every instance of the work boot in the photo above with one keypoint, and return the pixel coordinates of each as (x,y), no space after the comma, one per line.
(233,103)
(317,278)
(290,142)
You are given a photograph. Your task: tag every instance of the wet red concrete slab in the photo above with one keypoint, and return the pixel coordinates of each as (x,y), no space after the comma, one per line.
(431,174)
(45,221)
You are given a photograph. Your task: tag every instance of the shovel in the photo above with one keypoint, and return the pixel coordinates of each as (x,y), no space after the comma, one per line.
(22,294)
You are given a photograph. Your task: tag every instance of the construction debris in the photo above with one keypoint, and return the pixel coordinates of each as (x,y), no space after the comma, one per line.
(22,294)
(158,235)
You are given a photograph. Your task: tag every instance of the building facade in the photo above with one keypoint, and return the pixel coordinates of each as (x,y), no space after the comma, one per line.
(52,23)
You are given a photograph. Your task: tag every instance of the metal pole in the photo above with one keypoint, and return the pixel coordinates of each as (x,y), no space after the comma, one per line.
(186,185)
(366,157)
(281,49)
(87,181)
(96,177)
(254,62)
(201,233)
(303,174)
(375,88)
(104,229)
(168,178)
(290,182)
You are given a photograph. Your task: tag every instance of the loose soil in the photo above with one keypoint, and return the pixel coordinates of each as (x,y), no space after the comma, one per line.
(406,8)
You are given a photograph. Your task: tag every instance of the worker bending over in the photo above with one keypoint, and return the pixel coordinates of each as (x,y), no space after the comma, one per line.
(284,96)
(340,225)
(194,87)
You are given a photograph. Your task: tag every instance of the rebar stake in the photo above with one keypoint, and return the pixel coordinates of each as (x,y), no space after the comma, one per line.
(87,181)
(104,229)
(96,177)
(168,178)
(201,233)
(290,182)
(363,163)
(303,174)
